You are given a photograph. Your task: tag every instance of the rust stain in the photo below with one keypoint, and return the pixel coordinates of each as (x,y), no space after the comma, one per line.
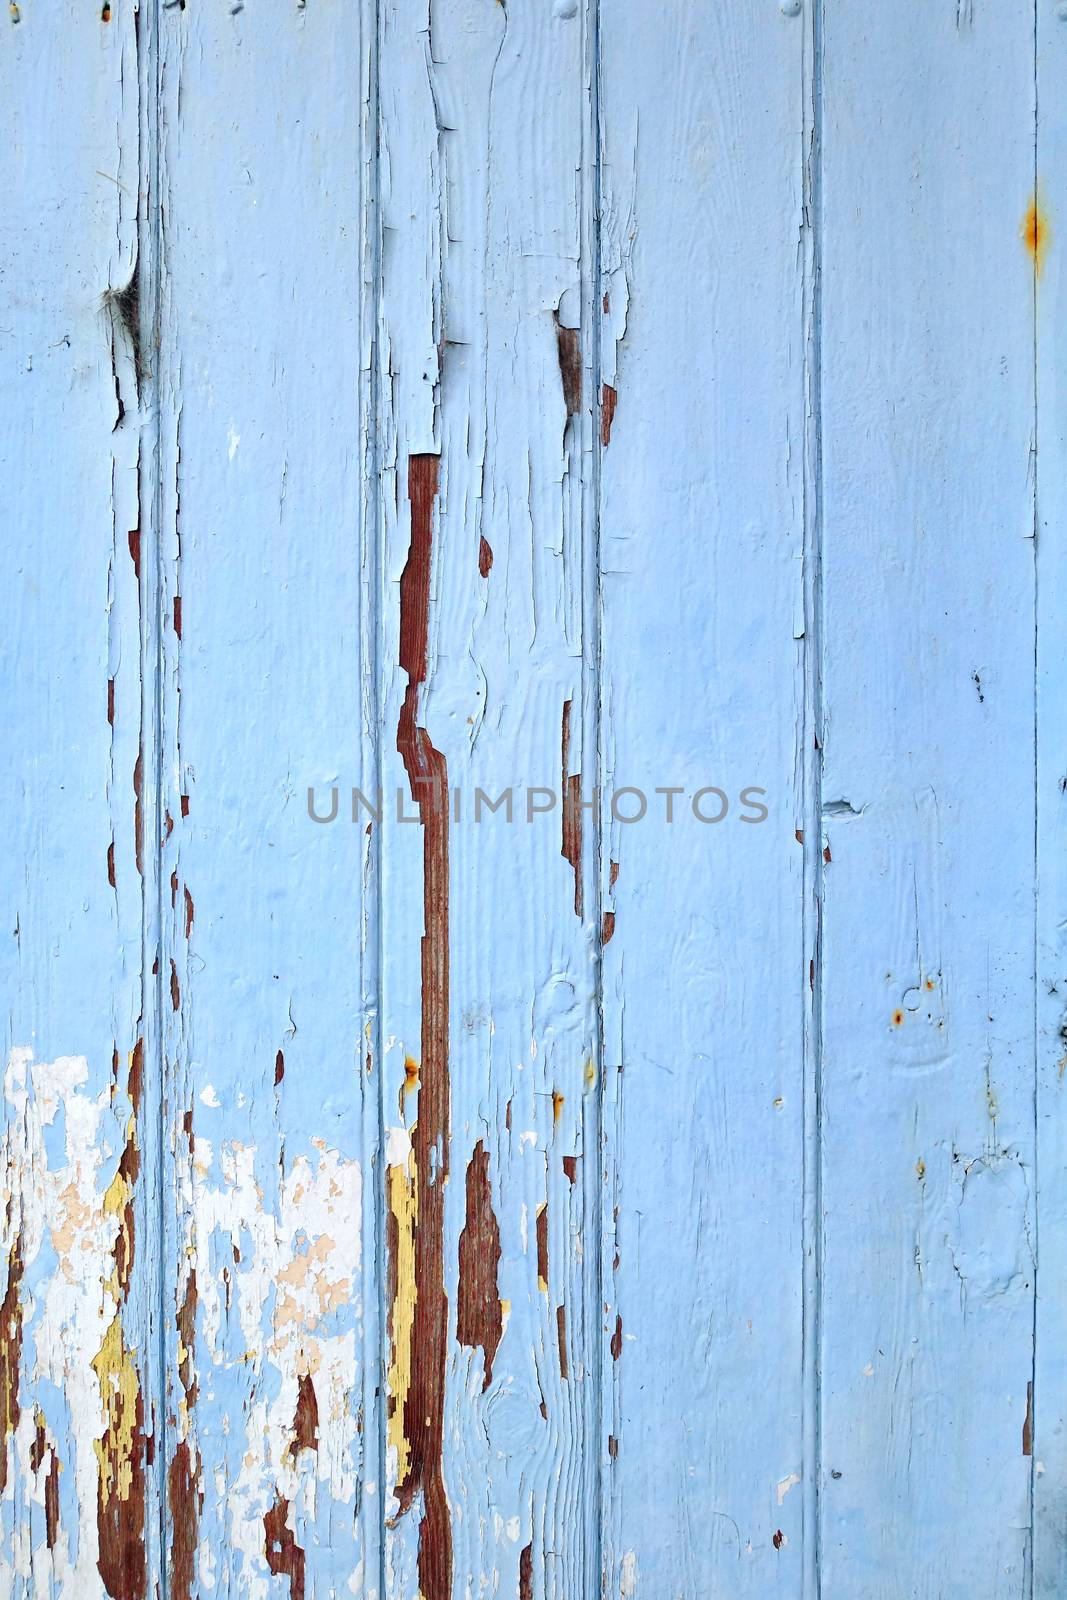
(607,928)
(526,1573)
(43,1446)
(613,1447)
(10,1354)
(1035,233)
(542,1247)
(190,912)
(557,1107)
(185,805)
(305,1418)
(485,558)
(616,1340)
(561,1337)
(570,366)
(135,551)
(572,816)
(111,701)
(428,776)
(279,1068)
(178,615)
(175,987)
(120,1502)
(778,1540)
(570,1167)
(184,1493)
(608,401)
(479,1315)
(285,1558)
(111,863)
(1028,1422)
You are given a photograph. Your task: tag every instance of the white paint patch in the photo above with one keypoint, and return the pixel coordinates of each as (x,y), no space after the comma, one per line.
(785,1484)
(628,1576)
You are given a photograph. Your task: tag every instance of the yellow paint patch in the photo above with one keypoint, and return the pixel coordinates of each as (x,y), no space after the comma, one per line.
(1035,233)
(403,1206)
(119,1394)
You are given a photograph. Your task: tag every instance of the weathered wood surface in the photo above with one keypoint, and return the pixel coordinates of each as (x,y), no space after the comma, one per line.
(574,398)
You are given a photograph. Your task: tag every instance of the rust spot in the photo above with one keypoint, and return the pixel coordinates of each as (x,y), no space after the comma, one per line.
(485,558)
(285,1558)
(557,1106)
(305,1419)
(616,1340)
(175,988)
(526,1573)
(173,890)
(613,874)
(135,550)
(606,303)
(1028,1422)
(800,835)
(190,912)
(479,1317)
(561,1339)
(570,366)
(1035,232)
(178,615)
(572,815)
(10,1353)
(185,805)
(105,14)
(542,1247)
(279,1068)
(111,863)
(427,771)
(111,701)
(607,413)
(898,1018)
(570,1167)
(607,928)
(778,1540)
(827,858)
(613,1447)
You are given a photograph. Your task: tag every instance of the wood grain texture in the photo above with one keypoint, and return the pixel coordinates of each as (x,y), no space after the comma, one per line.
(927,728)
(702,526)
(433,437)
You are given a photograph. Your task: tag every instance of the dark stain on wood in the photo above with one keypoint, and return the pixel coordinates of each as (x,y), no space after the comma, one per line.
(10,1353)
(561,1337)
(305,1418)
(138,811)
(526,1573)
(428,776)
(616,1340)
(571,849)
(135,551)
(608,401)
(570,1167)
(184,1493)
(542,1247)
(279,1068)
(285,1558)
(607,927)
(1028,1422)
(485,558)
(479,1316)
(178,615)
(570,366)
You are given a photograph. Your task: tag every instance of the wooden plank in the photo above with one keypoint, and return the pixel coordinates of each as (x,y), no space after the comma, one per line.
(488,1022)
(266,190)
(927,366)
(1049,1410)
(79,1274)
(706,969)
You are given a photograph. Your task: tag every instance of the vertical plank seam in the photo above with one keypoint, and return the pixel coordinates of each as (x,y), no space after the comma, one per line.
(152,590)
(1034,1398)
(375,534)
(813,851)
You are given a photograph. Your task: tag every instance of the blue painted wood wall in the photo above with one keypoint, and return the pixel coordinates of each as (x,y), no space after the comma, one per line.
(617,404)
